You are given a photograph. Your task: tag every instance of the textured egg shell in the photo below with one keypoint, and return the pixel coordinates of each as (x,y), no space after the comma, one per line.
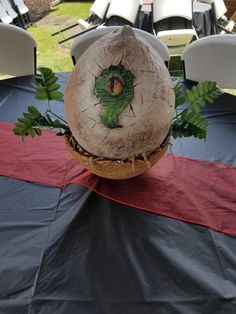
(145,122)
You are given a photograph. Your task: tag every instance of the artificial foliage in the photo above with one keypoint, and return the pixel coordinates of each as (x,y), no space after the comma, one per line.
(188,120)
(32,121)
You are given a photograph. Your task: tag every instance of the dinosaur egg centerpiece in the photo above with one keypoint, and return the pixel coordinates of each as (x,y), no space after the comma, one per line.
(119,103)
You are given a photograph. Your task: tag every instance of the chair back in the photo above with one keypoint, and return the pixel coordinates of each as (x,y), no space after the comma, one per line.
(18,51)
(84,41)
(173,24)
(219,8)
(163,9)
(4,17)
(23,9)
(212,58)
(99,8)
(7,6)
(127,10)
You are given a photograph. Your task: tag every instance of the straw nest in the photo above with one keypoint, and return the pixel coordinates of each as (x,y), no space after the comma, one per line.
(115,169)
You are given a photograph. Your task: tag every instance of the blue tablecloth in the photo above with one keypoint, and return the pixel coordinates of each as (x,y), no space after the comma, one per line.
(69,249)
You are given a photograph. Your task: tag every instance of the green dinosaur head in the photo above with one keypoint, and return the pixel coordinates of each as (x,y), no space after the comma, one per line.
(115,90)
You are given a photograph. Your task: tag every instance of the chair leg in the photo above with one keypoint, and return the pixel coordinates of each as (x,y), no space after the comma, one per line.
(27,19)
(214,19)
(64,29)
(21,21)
(18,22)
(78,34)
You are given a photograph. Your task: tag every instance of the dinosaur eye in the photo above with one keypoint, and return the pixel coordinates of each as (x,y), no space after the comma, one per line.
(114,86)
(115,90)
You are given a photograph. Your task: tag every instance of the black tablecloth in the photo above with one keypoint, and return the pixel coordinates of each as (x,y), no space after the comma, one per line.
(203,19)
(71,250)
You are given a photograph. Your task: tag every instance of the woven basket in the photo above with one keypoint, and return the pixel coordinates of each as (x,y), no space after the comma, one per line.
(115,169)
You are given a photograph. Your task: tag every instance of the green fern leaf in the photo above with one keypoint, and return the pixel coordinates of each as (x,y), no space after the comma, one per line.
(24,126)
(53,87)
(199,95)
(180,97)
(46,87)
(52,80)
(33,120)
(190,123)
(56,95)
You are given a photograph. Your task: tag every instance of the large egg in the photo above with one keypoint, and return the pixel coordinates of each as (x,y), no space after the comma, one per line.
(119,99)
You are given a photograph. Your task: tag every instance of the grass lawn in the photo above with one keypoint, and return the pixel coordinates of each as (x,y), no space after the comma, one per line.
(50,53)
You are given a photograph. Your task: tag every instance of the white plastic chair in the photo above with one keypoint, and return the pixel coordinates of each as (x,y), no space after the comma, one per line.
(7,6)
(220,20)
(220,8)
(23,12)
(23,9)
(99,9)
(4,17)
(84,41)
(17,52)
(212,58)
(97,16)
(163,9)
(221,23)
(128,10)
(175,39)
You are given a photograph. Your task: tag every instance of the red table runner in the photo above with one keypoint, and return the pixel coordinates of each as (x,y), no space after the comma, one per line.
(199,192)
